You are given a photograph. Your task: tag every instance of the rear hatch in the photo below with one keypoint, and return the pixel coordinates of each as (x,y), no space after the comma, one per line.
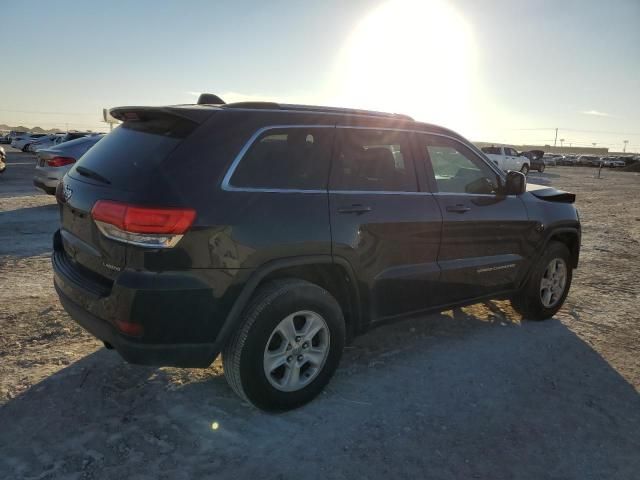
(122,167)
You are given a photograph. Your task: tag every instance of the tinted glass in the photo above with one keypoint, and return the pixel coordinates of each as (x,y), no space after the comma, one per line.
(292,159)
(373,160)
(133,150)
(458,170)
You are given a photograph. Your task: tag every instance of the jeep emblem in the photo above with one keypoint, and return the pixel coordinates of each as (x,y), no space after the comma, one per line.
(66,193)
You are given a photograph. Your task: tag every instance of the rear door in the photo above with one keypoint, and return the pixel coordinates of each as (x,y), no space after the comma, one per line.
(484,234)
(383,222)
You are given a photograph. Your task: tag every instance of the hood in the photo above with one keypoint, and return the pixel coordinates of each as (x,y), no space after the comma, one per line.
(550,194)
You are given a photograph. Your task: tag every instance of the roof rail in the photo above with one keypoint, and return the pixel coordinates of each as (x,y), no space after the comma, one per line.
(314,108)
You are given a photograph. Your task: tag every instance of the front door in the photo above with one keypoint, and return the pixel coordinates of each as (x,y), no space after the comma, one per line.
(382,222)
(484,233)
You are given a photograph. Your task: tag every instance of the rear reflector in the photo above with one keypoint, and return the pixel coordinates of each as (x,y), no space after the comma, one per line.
(155,227)
(60,161)
(128,328)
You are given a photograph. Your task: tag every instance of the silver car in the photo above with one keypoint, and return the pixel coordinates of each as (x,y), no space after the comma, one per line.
(54,162)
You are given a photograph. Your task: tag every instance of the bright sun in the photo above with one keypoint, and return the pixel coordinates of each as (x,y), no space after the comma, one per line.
(409,56)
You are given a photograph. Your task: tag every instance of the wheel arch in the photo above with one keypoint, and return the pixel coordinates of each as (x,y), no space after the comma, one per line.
(569,237)
(334,275)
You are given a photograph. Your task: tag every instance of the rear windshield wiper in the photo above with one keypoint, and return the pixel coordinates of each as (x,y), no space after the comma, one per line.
(85,172)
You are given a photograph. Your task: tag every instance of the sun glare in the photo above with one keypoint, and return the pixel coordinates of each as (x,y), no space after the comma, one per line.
(409,56)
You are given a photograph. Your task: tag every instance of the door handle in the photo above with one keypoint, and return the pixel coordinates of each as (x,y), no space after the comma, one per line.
(457,208)
(356,208)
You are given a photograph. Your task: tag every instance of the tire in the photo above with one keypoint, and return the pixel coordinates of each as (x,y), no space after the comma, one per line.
(541,168)
(525,169)
(26,147)
(245,357)
(530,301)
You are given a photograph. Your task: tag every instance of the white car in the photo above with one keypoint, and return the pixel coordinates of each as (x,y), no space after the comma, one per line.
(613,162)
(22,142)
(507,158)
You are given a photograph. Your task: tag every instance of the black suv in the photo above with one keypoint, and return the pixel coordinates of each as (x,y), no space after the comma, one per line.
(271,233)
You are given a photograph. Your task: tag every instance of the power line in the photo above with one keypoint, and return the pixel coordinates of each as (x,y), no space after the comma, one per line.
(47,113)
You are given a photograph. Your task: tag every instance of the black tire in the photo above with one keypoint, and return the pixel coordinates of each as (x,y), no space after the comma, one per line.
(243,355)
(24,149)
(525,169)
(528,301)
(541,168)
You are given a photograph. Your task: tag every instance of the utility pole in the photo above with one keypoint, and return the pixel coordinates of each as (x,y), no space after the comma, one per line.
(561,142)
(624,149)
(556,139)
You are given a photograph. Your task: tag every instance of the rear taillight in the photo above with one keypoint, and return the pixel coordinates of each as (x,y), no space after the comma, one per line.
(60,161)
(152,227)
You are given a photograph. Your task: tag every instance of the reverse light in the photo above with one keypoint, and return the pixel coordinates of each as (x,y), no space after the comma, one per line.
(151,227)
(60,161)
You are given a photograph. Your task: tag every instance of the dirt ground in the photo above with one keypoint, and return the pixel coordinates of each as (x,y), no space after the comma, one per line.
(465,394)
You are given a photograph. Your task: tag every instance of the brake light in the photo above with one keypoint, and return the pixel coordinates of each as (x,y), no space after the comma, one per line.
(155,227)
(60,161)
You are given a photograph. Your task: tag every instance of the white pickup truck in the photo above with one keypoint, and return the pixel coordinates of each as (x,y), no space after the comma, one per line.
(507,158)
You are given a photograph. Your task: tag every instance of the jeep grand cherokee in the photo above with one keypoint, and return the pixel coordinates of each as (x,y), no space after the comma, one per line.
(271,233)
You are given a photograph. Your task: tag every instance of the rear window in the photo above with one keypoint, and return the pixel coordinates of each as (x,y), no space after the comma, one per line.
(133,150)
(491,150)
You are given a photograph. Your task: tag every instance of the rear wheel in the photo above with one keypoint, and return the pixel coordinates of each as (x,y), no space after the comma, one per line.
(548,285)
(541,168)
(288,346)
(525,169)
(26,147)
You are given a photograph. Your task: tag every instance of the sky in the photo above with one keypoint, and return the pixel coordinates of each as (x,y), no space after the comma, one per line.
(507,71)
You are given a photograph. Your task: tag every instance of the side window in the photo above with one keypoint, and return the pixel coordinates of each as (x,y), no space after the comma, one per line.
(373,160)
(458,170)
(510,152)
(290,158)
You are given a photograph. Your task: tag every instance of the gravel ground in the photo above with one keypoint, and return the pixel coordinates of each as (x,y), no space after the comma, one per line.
(468,393)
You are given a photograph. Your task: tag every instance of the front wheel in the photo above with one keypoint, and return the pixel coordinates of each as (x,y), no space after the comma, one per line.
(525,169)
(26,147)
(288,346)
(548,286)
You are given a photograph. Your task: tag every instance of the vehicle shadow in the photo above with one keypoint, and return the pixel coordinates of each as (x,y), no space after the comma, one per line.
(34,227)
(468,393)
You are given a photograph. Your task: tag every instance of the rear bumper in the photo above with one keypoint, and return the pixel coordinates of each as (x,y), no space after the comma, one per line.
(179,314)
(177,355)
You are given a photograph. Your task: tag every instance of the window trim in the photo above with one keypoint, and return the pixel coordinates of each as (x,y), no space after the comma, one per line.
(227,186)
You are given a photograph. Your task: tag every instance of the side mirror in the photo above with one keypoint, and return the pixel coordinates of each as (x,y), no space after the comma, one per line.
(516,183)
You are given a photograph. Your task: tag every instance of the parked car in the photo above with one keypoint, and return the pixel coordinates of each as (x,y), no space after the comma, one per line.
(52,163)
(507,158)
(588,160)
(5,139)
(3,160)
(535,159)
(613,162)
(43,142)
(22,142)
(567,160)
(550,159)
(304,226)
(65,137)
